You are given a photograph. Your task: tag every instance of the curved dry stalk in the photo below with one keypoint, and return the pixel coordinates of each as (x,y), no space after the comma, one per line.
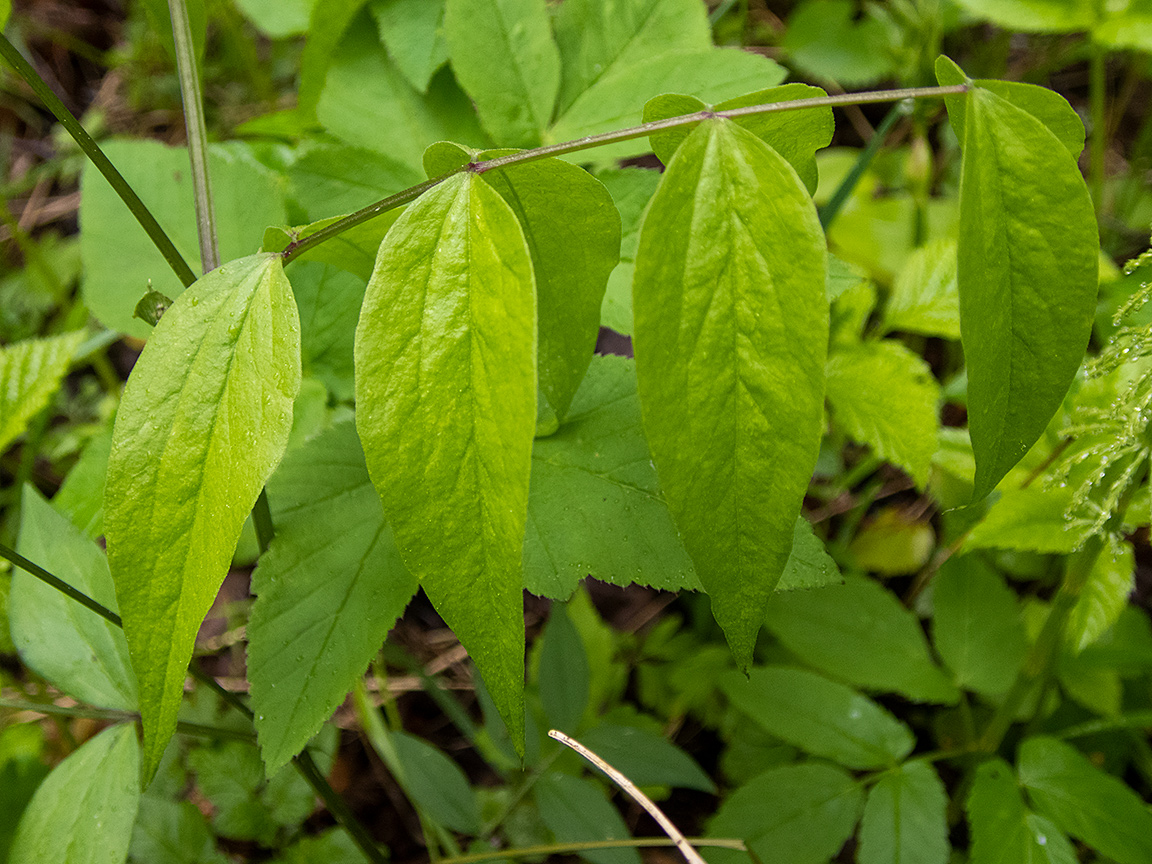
(639,797)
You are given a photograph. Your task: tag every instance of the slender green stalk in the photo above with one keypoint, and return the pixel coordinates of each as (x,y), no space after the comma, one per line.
(1135,720)
(116,716)
(298,247)
(197,133)
(60,585)
(103,163)
(546,849)
(832,208)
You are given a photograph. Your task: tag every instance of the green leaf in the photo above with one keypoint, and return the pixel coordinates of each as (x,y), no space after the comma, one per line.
(333,846)
(563,676)
(120,260)
(172,832)
(632,189)
(804,812)
(30,373)
(795,135)
(976,626)
(84,809)
(598,40)
(71,646)
(505,59)
(327,591)
(892,543)
(328,300)
(731,334)
(595,506)
(353,250)
(369,103)
(329,20)
(825,41)
(21,772)
(1104,595)
(230,776)
(1082,800)
(1047,106)
(883,395)
(615,100)
(573,234)
(646,758)
(819,716)
(412,30)
(860,633)
(204,419)
(924,297)
(437,785)
(445,394)
(160,17)
(1033,518)
(809,564)
(575,810)
(329,179)
(1035,16)
(1027,273)
(904,818)
(278,19)
(1003,829)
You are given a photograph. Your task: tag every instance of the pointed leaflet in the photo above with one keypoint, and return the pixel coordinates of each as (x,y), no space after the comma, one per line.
(30,372)
(328,591)
(505,58)
(446,410)
(71,646)
(1003,830)
(84,810)
(904,818)
(731,335)
(204,419)
(1027,272)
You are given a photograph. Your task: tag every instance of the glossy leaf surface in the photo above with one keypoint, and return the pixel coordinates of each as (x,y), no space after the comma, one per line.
(445,394)
(204,419)
(1104,595)
(817,715)
(505,58)
(71,646)
(97,785)
(731,333)
(1027,273)
(327,591)
(645,758)
(413,32)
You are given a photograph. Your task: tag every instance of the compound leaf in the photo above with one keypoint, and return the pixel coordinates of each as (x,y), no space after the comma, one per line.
(731,332)
(1104,596)
(204,419)
(1003,829)
(327,591)
(446,410)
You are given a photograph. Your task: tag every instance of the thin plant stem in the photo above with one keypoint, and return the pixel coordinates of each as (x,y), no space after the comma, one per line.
(197,133)
(682,844)
(298,247)
(546,849)
(103,163)
(303,761)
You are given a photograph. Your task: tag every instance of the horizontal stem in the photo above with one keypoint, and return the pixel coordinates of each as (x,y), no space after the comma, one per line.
(60,585)
(585,846)
(297,247)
